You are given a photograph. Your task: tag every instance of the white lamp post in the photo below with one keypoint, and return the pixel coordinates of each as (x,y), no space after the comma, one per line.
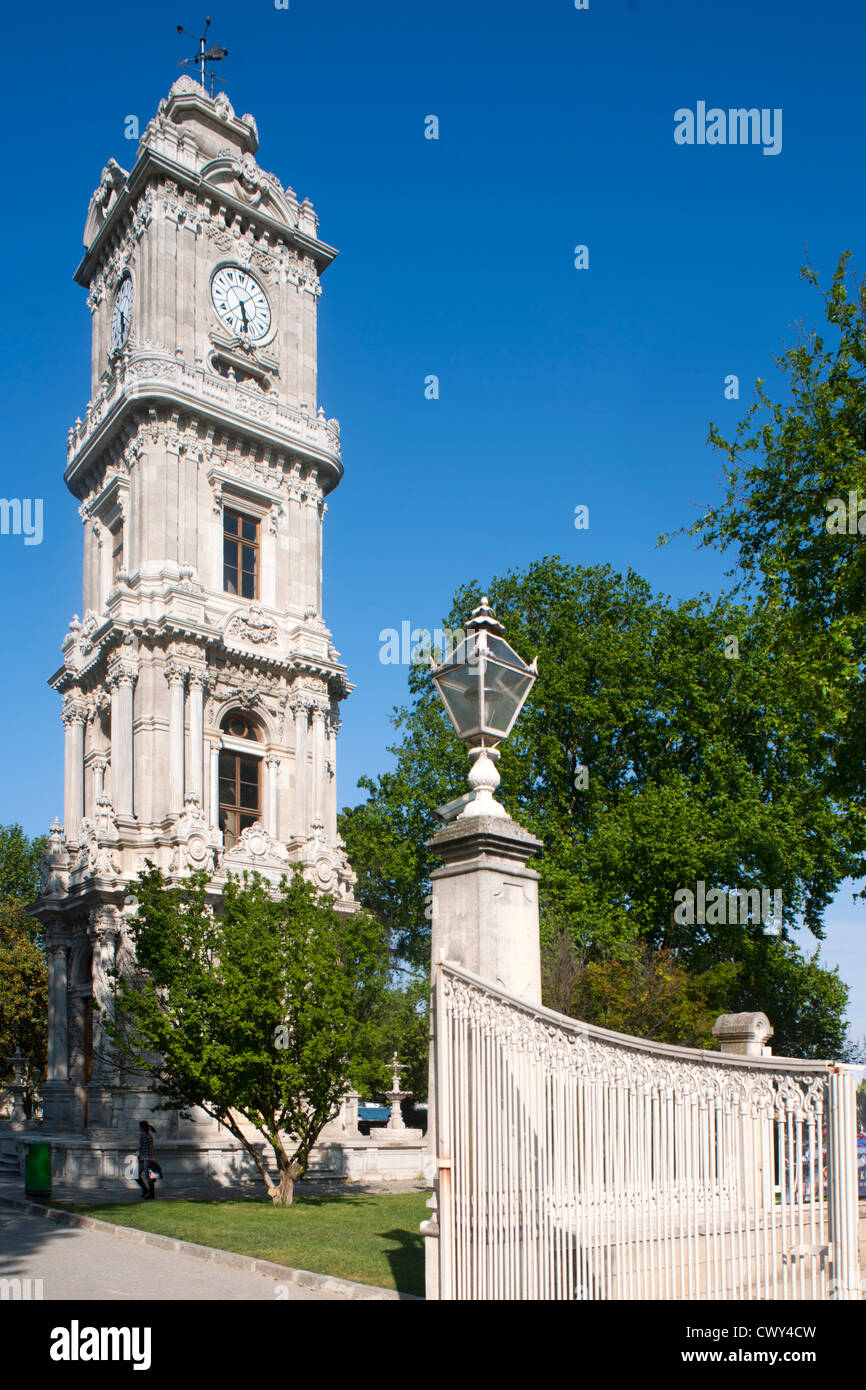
(483,685)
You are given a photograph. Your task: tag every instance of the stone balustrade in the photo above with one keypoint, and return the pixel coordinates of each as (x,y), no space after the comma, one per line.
(142,367)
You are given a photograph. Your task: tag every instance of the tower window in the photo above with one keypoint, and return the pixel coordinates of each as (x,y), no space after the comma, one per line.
(240,554)
(239,781)
(116,550)
(239,726)
(240,799)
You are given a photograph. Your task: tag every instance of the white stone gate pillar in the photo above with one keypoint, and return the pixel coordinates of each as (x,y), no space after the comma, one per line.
(485,903)
(485,918)
(842,1203)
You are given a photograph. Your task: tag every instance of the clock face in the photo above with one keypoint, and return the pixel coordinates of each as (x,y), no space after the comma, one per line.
(241,303)
(121,314)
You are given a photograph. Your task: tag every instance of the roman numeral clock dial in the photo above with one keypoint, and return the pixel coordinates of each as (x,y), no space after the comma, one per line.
(241,303)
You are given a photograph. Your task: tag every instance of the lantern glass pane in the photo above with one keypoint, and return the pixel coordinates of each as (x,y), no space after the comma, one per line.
(499,650)
(464,652)
(458,687)
(504,692)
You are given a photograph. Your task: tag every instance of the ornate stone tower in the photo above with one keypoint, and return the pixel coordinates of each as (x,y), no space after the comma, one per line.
(201,688)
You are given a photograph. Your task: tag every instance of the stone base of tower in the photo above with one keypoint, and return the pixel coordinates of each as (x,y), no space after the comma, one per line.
(105,1166)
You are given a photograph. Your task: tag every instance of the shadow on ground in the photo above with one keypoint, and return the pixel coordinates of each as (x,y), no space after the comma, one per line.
(406,1260)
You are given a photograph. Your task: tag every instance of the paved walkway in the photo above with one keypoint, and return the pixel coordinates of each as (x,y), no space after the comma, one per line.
(77,1264)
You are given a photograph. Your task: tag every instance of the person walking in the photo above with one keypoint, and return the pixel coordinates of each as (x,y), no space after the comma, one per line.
(145,1178)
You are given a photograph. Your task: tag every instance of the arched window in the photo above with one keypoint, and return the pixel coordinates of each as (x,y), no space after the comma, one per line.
(239,777)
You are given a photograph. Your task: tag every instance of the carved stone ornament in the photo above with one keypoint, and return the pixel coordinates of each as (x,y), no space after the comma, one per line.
(94,859)
(106,195)
(252,626)
(255,847)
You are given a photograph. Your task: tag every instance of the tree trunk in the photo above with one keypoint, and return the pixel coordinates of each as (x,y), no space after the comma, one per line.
(283,1192)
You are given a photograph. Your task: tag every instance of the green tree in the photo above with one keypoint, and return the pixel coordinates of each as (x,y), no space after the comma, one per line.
(401,1025)
(648,993)
(260,1013)
(23,969)
(699,767)
(19,864)
(789,458)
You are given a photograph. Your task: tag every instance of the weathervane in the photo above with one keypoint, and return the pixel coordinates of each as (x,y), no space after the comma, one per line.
(204,55)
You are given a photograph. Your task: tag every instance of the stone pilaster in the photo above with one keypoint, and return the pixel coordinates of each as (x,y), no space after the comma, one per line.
(215,785)
(175,676)
(318,799)
(58,1017)
(103,931)
(74,720)
(299,709)
(121,680)
(195,707)
(272,766)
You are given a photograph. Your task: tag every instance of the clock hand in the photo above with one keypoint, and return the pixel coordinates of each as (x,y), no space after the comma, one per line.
(243,310)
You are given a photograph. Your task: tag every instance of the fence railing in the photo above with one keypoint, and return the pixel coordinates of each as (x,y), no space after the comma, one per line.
(576,1163)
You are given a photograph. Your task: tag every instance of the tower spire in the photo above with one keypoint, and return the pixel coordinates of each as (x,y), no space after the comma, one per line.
(205,55)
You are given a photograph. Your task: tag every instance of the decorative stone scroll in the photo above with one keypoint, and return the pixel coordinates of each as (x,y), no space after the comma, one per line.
(250,627)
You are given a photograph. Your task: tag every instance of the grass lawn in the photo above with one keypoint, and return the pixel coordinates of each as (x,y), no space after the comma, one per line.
(371,1237)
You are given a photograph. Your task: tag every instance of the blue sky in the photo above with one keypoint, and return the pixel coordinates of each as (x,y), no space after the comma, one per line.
(557,386)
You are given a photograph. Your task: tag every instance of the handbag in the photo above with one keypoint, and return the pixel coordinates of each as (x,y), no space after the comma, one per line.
(153,1170)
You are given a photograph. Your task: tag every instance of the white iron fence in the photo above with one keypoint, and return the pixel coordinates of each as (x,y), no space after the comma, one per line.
(576,1163)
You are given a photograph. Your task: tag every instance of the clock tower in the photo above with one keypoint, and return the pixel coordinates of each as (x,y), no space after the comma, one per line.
(200,685)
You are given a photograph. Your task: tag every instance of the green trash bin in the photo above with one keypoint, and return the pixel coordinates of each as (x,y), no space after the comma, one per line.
(37,1170)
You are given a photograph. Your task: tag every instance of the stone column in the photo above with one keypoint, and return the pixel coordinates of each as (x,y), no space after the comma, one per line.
(74,717)
(301,823)
(349,1114)
(97,767)
(320,527)
(318,797)
(58,1012)
(175,677)
(195,703)
(215,785)
(331,773)
(295,541)
(272,764)
(103,933)
(311,546)
(122,682)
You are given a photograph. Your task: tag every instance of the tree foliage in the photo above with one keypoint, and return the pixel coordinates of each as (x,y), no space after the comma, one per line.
(787,460)
(262,1014)
(699,767)
(23,969)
